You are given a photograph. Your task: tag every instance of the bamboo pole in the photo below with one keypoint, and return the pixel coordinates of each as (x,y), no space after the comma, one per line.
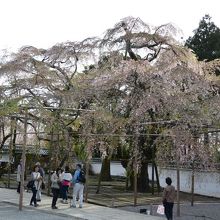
(23,162)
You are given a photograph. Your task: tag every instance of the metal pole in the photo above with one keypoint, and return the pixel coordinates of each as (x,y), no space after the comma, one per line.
(23,162)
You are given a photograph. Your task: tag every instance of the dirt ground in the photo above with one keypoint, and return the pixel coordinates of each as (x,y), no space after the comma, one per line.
(113,193)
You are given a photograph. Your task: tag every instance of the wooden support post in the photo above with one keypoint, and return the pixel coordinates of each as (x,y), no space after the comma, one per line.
(135,168)
(192,185)
(50,161)
(23,162)
(10,154)
(157,178)
(87,179)
(68,145)
(152,179)
(178,189)
(135,182)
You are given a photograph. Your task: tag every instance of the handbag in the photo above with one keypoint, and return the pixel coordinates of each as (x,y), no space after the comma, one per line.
(66,183)
(30,184)
(43,185)
(160,209)
(55,185)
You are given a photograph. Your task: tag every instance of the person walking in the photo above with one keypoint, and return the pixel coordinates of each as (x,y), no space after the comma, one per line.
(78,186)
(19,170)
(55,186)
(168,199)
(66,178)
(36,178)
(41,182)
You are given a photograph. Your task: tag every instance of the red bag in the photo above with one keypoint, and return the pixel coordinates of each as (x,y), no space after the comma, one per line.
(66,183)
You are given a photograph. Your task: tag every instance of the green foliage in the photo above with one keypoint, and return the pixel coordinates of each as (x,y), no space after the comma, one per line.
(8,107)
(80,150)
(206,40)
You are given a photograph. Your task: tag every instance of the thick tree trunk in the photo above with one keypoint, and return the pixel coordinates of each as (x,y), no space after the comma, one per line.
(105,170)
(105,173)
(143,178)
(143,184)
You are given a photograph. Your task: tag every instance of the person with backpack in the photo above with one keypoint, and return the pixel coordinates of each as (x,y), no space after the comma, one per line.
(78,185)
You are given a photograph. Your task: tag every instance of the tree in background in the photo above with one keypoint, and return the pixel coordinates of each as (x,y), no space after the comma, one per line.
(148,77)
(133,78)
(206,40)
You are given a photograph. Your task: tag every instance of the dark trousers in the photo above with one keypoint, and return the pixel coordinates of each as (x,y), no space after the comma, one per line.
(33,199)
(19,187)
(168,209)
(64,192)
(56,193)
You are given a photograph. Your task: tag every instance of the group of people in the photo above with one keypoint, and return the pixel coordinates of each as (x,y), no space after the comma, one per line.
(61,180)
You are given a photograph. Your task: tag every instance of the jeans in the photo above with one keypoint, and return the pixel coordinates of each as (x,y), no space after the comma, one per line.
(33,199)
(78,190)
(64,192)
(55,196)
(168,209)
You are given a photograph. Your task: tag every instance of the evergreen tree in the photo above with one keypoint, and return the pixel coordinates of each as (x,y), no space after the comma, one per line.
(206,40)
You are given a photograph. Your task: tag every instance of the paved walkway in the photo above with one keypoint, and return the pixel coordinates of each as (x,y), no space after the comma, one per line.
(200,211)
(10,212)
(9,198)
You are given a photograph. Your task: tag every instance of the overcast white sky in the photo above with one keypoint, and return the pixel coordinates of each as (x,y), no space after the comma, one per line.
(43,23)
